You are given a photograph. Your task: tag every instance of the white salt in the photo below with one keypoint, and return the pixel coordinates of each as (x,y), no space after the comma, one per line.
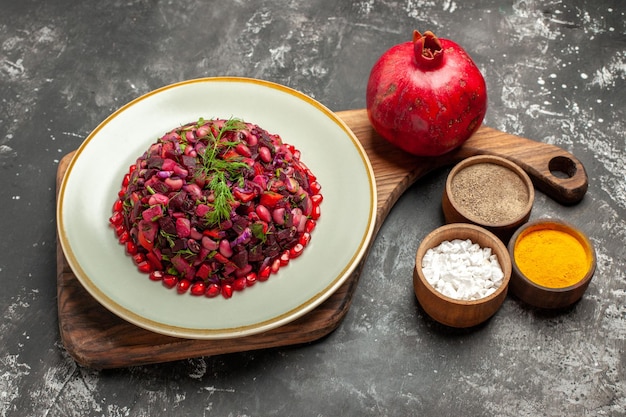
(462,270)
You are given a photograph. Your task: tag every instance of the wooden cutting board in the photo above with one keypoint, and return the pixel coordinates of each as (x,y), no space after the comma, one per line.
(97,338)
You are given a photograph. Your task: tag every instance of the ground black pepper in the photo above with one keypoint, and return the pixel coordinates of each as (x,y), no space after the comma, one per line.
(490,192)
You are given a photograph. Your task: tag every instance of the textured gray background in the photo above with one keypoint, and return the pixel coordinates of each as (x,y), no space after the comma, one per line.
(555,72)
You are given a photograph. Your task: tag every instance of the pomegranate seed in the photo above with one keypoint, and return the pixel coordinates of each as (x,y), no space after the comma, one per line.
(212,290)
(275,265)
(132,168)
(251,279)
(126,180)
(227,290)
(131,247)
(156,275)
(139,258)
(170,281)
(119,230)
(284,258)
(239,284)
(310,225)
(117,218)
(317,199)
(316,212)
(305,238)
(121,193)
(296,250)
(198,288)
(144,267)
(315,187)
(264,274)
(124,237)
(182,286)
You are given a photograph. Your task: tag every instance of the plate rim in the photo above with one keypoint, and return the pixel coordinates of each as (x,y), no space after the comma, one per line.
(226,332)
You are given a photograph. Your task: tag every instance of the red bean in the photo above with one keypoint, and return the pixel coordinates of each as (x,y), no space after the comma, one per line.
(225,248)
(209,243)
(183,227)
(265,154)
(174,184)
(278,215)
(263,213)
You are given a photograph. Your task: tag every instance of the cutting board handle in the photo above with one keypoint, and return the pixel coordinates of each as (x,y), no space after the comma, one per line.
(553,170)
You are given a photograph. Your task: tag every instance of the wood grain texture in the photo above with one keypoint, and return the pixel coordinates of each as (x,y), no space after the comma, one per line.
(97,338)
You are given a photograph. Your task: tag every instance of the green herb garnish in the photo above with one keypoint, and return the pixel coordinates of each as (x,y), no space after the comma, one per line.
(257,232)
(220,170)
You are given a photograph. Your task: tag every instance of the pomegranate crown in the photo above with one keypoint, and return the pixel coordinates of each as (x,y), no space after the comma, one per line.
(428,50)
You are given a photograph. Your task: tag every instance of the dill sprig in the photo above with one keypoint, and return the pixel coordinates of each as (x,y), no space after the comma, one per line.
(220,170)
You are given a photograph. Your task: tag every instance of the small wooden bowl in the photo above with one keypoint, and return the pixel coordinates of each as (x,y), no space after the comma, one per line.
(450,311)
(542,296)
(509,212)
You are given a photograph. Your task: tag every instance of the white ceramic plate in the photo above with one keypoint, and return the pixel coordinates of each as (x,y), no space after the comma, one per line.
(329,149)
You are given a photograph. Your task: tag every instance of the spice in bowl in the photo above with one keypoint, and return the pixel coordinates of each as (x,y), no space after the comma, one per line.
(488,191)
(551,258)
(462,270)
(474,190)
(553,263)
(468,271)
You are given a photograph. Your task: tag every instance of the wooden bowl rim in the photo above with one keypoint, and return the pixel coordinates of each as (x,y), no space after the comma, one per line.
(505,264)
(540,224)
(478,159)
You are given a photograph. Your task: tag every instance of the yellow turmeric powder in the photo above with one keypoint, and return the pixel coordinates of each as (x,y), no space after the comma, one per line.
(551,258)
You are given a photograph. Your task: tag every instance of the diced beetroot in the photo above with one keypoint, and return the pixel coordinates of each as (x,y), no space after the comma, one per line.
(158,198)
(189,162)
(183,267)
(202,210)
(183,227)
(152,213)
(240,259)
(204,270)
(168,164)
(154,261)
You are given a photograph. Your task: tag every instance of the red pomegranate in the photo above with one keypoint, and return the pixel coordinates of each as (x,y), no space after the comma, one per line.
(426,96)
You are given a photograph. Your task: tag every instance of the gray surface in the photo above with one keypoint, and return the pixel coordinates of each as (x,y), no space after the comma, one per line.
(555,72)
